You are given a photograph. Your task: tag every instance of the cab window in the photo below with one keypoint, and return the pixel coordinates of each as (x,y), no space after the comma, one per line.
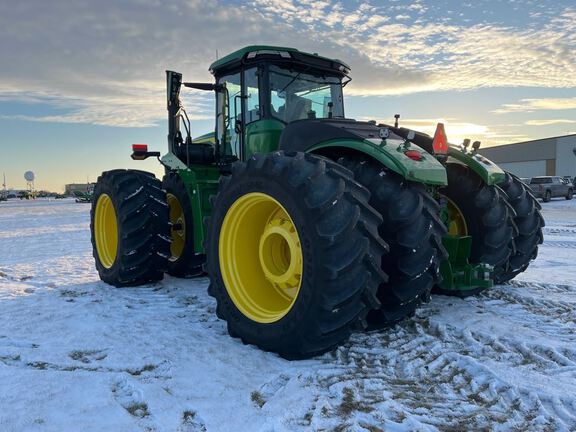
(297,95)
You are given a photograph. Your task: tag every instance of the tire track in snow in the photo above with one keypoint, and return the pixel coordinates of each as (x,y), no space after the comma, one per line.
(560,244)
(161,370)
(441,377)
(559,230)
(548,311)
(545,287)
(545,361)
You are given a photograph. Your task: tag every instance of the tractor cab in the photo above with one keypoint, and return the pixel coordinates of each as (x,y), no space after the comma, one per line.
(259,90)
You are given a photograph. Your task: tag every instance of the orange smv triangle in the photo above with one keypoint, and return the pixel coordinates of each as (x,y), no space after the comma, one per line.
(440,143)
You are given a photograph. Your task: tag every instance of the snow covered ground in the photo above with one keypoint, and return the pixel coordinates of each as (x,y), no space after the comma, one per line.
(79,355)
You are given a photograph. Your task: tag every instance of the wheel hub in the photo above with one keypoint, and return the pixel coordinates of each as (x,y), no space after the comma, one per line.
(280,254)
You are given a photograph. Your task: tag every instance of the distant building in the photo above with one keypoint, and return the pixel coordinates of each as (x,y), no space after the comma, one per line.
(554,156)
(72,188)
(13,193)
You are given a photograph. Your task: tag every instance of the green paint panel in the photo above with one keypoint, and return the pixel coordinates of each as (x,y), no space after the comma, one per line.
(488,171)
(201,183)
(391,154)
(263,136)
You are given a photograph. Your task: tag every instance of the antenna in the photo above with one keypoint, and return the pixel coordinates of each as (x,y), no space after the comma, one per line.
(217,55)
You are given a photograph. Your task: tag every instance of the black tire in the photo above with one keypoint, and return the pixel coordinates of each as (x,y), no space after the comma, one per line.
(488,216)
(341,251)
(529,222)
(142,226)
(188,263)
(570,194)
(547,196)
(413,230)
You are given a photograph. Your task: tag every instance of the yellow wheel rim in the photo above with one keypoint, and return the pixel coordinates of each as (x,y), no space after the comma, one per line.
(456,222)
(106,231)
(260,257)
(178,230)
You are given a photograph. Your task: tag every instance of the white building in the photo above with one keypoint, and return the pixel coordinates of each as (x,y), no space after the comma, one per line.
(554,156)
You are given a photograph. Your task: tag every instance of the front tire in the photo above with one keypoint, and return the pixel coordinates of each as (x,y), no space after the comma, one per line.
(413,230)
(570,194)
(547,196)
(129,228)
(293,253)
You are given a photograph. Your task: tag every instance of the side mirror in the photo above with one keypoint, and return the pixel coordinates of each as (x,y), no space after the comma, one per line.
(201,86)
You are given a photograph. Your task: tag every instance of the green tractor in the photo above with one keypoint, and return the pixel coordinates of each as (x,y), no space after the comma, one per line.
(309,224)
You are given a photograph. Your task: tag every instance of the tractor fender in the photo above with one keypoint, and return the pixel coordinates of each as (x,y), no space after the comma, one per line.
(391,154)
(488,171)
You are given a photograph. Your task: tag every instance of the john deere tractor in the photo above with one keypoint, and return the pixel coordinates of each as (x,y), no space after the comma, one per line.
(309,224)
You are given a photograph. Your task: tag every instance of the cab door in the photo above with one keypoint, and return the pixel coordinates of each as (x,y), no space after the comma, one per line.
(262,135)
(229,117)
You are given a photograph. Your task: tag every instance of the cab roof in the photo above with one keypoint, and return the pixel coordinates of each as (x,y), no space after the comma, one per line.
(268,52)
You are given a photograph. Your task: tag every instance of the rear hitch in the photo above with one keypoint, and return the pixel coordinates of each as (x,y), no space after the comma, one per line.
(459,277)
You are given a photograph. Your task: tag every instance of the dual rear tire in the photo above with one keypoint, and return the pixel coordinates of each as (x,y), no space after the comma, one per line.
(142,228)
(503,220)
(293,253)
(413,231)
(130,233)
(485,215)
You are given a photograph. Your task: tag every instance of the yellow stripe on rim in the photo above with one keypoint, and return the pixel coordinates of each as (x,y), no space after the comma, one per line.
(456,222)
(178,230)
(106,231)
(260,257)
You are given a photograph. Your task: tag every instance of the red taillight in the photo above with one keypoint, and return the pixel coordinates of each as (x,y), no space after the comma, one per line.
(414,155)
(140,147)
(440,143)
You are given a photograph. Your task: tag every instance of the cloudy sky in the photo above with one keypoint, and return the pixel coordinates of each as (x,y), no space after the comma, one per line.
(80,80)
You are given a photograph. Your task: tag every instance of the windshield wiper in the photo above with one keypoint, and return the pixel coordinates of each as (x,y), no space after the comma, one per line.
(313,90)
(291,81)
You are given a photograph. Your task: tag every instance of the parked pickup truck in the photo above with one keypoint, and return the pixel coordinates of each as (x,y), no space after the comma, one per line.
(548,187)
